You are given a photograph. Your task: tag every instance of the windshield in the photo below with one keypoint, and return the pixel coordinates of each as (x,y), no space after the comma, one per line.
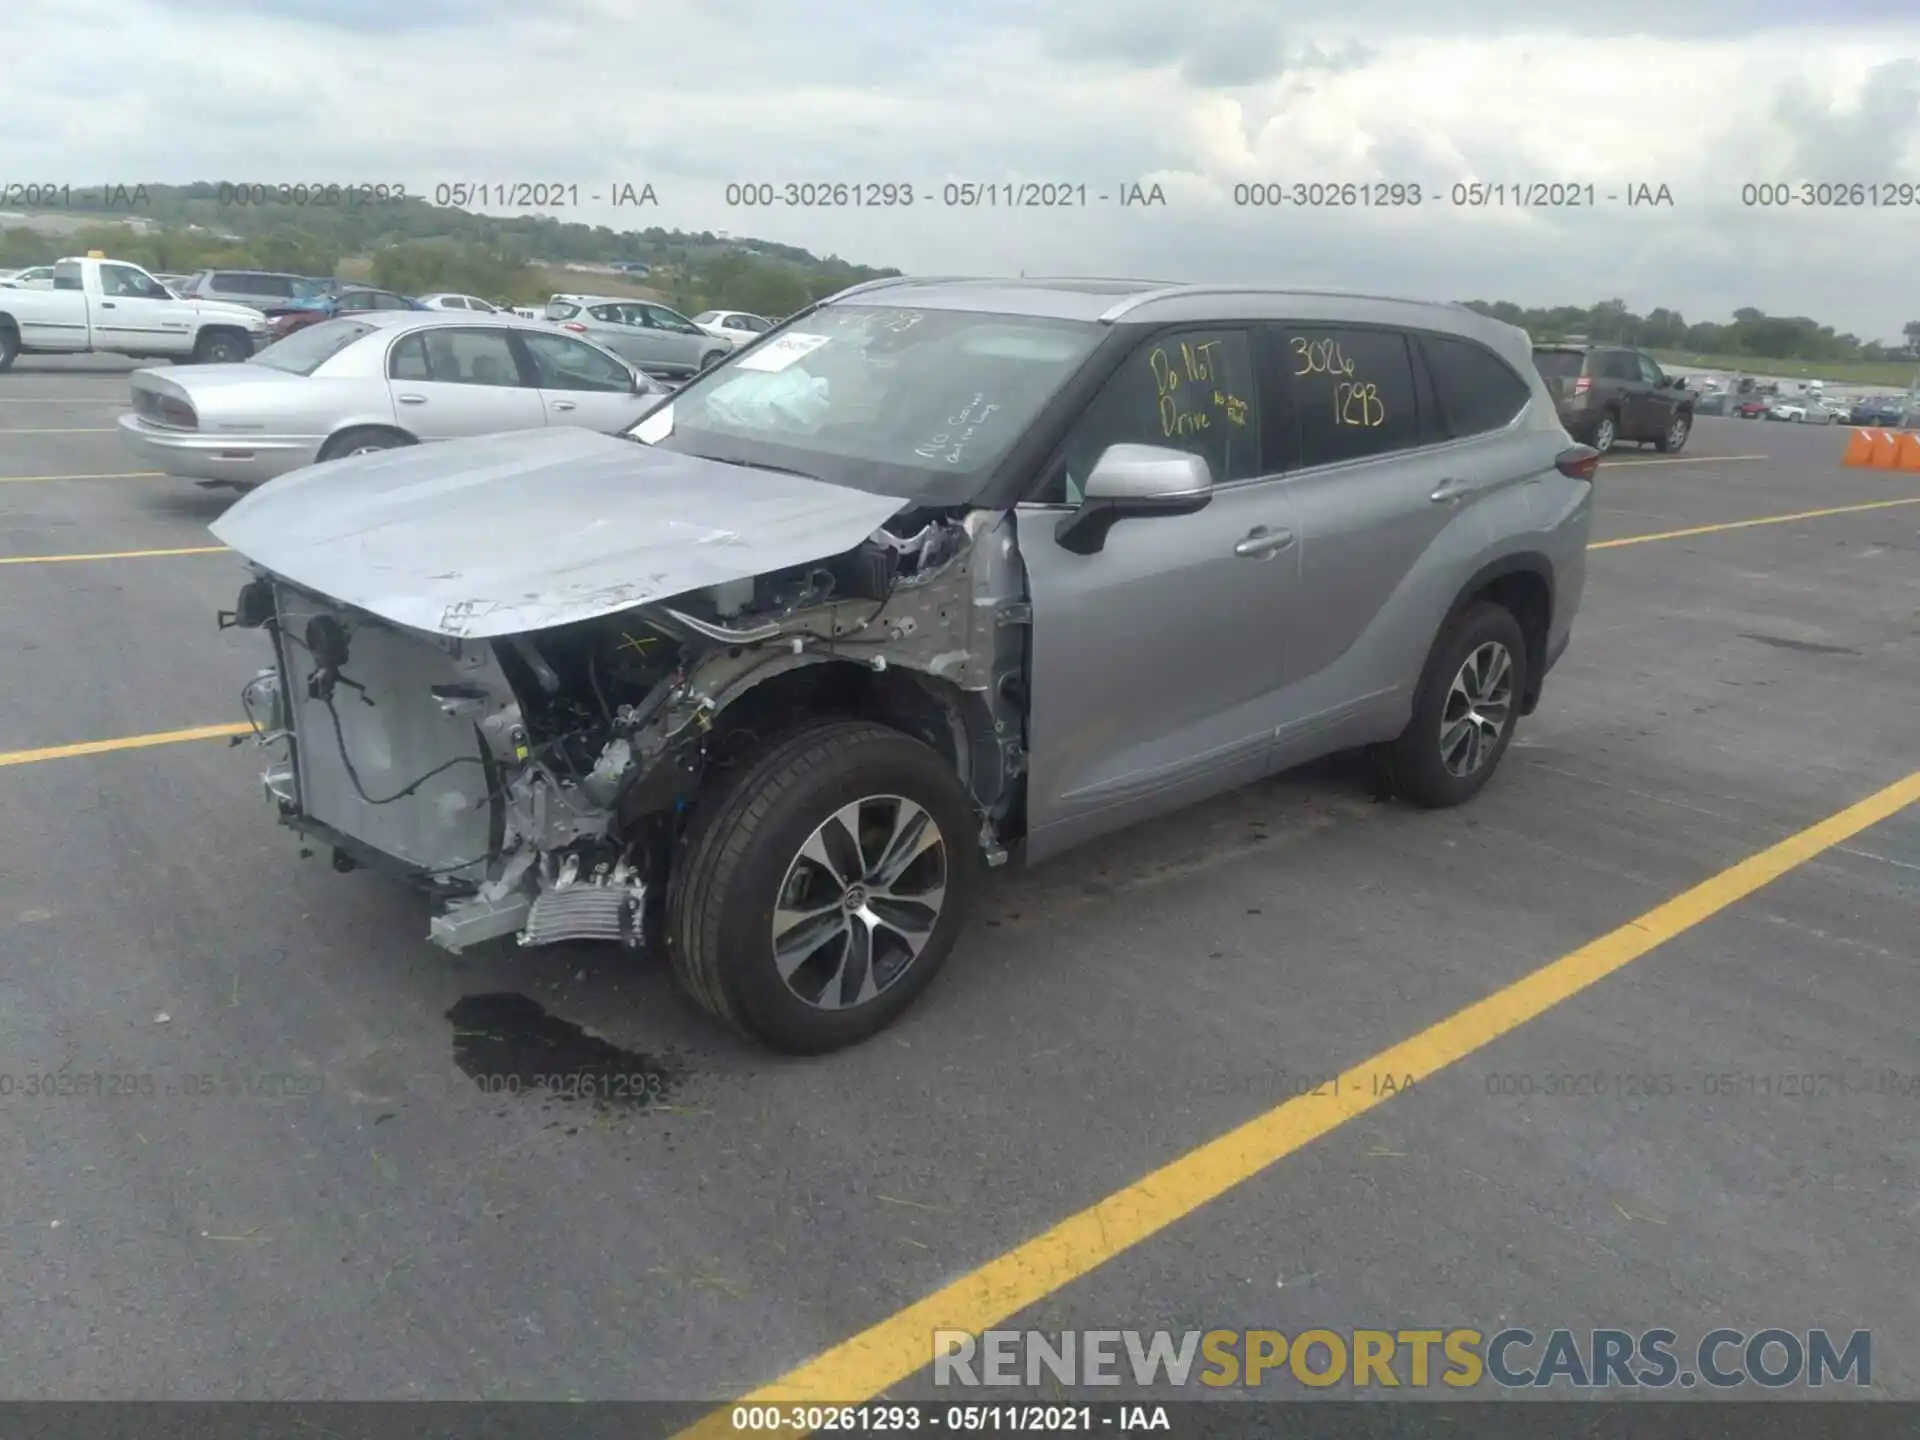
(305,351)
(922,404)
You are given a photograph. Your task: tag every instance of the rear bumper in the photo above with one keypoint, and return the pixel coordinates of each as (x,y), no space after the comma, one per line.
(231,459)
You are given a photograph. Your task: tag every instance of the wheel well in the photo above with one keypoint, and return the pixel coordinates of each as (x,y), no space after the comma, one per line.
(898,699)
(346,430)
(1524,593)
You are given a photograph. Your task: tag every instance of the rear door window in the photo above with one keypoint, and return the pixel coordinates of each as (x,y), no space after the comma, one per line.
(1354,391)
(455,357)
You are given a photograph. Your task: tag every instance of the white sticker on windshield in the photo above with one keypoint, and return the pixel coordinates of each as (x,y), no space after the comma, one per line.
(779,353)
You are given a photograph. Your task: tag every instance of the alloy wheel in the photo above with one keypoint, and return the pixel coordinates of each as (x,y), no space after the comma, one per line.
(1677,434)
(1603,434)
(1475,715)
(859,902)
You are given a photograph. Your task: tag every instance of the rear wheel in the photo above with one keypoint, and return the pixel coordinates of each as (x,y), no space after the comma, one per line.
(1605,432)
(822,885)
(364,441)
(712,358)
(1676,436)
(1464,712)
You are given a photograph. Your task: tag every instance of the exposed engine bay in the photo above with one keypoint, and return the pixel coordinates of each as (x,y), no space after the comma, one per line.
(538,783)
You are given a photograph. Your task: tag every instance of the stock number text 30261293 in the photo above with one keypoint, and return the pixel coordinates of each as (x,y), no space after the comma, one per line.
(1356,401)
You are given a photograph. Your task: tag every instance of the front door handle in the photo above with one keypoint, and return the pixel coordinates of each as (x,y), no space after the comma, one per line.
(411,399)
(1262,541)
(106,305)
(1449,490)
(563,405)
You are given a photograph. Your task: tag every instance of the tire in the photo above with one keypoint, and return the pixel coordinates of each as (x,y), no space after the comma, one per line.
(742,853)
(220,347)
(711,359)
(9,348)
(1675,438)
(1417,763)
(1606,432)
(363,441)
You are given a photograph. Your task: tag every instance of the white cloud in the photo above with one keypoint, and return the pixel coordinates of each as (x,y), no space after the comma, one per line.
(689,94)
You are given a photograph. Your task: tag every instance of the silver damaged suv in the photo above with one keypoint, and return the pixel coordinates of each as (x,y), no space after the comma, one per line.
(936,574)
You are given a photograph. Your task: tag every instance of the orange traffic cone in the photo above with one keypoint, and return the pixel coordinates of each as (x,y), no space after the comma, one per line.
(1859,449)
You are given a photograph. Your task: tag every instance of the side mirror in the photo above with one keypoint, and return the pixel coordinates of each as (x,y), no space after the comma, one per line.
(1134,480)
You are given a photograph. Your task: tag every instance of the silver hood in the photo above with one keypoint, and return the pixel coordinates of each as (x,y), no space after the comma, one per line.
(511,533)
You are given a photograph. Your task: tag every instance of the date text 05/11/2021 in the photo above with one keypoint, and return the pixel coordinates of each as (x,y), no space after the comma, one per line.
(902,1417)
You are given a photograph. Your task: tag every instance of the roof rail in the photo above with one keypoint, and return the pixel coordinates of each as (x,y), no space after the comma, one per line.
(886,282)
(1147,297)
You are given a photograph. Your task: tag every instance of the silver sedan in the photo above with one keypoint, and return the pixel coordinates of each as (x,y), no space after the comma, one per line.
(375,382)
(657,339)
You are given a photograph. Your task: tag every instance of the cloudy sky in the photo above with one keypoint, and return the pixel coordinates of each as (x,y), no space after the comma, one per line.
(1703,97)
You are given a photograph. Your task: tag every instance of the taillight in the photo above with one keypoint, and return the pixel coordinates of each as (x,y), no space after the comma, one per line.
(1581,462)
(577,329)
(1583,385)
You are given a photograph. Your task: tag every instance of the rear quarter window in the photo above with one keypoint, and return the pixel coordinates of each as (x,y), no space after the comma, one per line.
(1559,364)
(1477,390)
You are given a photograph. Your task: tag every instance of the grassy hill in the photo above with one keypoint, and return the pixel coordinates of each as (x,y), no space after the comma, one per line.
(409,244)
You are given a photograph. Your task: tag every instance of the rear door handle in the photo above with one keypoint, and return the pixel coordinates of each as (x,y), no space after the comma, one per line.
(563,405)
(411,399)
(1262,541)
(106,305)
(1450,490)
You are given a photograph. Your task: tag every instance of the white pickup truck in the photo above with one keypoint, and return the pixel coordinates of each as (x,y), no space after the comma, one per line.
(112,307)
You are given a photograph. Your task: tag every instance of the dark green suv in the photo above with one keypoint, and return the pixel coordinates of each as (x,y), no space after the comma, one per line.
(1609,393)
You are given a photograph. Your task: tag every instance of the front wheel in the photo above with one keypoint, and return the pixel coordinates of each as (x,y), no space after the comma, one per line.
(9,348)
(711,359)
(219,347)
(822,885)
(1465,710)
(1676,436)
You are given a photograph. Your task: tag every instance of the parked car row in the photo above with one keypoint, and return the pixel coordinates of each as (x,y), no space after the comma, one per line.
(164,317)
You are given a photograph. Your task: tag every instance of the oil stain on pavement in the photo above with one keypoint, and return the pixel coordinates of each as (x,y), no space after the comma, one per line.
(509,1044)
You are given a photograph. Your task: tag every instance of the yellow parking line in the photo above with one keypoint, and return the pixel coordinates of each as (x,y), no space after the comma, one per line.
(125,742)
(1749,524)
(113,555)
(116,475)
(1682,460)
(901,1345)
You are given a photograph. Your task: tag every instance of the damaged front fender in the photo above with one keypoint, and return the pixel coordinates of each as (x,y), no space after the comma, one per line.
(538,782)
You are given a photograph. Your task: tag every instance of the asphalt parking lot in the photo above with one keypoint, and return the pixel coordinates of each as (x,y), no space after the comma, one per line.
(345,1212)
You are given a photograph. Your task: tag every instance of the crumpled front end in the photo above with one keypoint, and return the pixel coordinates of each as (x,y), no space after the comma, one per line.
(536,784)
